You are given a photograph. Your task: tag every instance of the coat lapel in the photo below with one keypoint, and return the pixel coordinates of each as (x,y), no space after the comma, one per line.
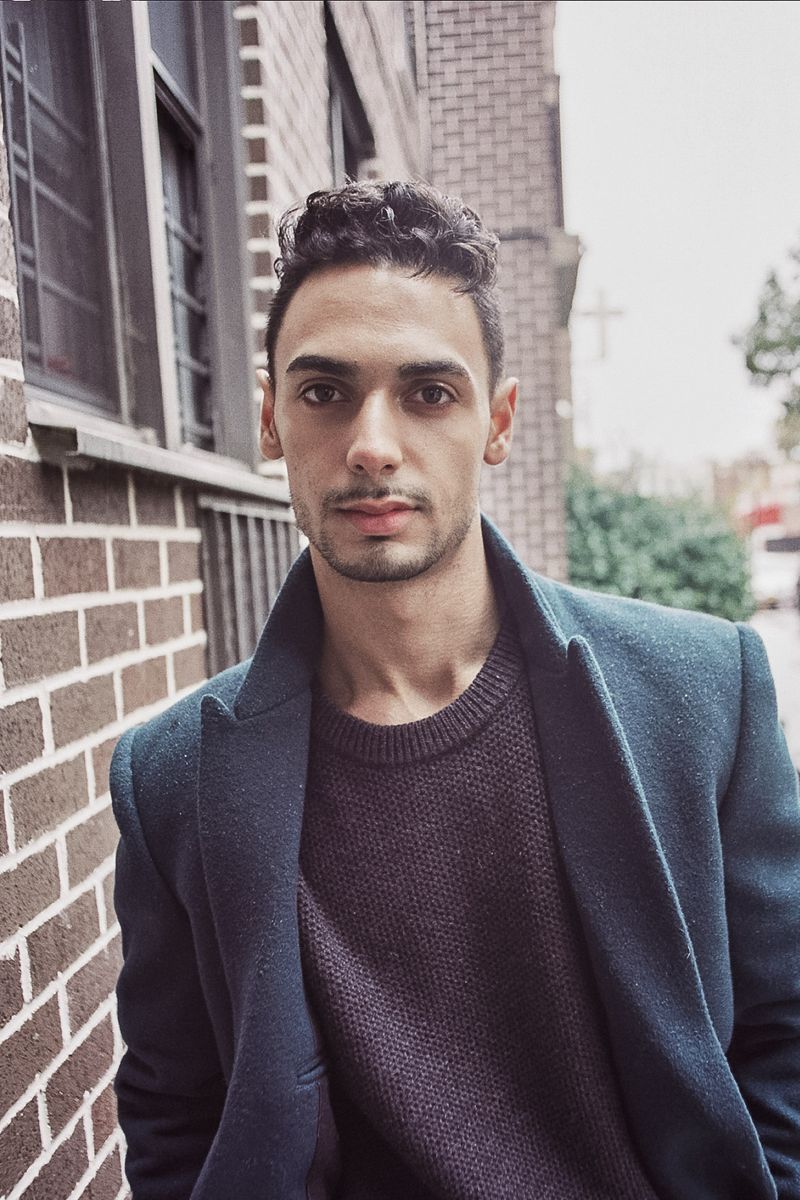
(250,809)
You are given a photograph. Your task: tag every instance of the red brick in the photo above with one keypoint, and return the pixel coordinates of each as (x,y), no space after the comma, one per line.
(30,492)
(16,569)
(81,1072)
(40,802)
(143,684)
(82,708)
(11,998)
(257,187)
(13,421)
(27,889)
(93,984)
(55,945)
(190,667)
(256,150)
(90,844)
(254,111)
(59,1176)
(101,761)
(136,564)
(155,502)
(198,615)
(72,565)
(107,1181)
(10,342)
(99,496)
(29,1051)
(104,1117)
(21,738)
(34,647)
(20,1144)
(184,561)
(248,32)
(251,69)
(111,629)
(163,619)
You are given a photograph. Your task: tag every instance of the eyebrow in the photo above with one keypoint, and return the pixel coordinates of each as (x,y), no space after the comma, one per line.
(435,366)
(320,362)
(349,370)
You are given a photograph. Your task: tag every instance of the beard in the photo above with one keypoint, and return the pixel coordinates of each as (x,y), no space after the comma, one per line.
(381,559)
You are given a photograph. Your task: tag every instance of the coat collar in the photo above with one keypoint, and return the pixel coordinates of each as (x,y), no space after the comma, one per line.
(288,649)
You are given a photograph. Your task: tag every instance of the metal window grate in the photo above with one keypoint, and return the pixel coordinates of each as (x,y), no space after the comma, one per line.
(247,551)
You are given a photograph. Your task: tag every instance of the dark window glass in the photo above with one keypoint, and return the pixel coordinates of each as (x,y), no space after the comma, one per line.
(185,251)
(172,38)
(350,133)
(56,201)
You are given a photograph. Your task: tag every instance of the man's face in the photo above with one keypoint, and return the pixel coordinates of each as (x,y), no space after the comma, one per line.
(382,411)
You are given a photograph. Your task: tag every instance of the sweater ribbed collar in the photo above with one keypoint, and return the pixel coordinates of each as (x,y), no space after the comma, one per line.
(415,741)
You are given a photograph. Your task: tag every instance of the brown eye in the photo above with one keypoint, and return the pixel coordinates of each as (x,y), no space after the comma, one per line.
(434,396)
(321,393)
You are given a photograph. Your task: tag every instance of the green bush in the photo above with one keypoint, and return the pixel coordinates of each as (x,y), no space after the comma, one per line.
(674,552)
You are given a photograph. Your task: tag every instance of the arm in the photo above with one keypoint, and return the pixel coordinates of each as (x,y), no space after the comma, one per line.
(760,824)
(169,1085)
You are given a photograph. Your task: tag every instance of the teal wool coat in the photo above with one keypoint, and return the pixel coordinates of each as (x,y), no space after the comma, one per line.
(677,821)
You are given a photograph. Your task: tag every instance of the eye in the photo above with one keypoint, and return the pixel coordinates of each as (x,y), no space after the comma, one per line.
(433,395)
(321,394)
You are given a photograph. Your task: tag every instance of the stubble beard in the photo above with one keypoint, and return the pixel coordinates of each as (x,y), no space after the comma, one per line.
(378,561)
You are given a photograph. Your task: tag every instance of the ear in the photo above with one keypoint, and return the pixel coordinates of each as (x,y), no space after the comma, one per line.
(268,438)
(503,406)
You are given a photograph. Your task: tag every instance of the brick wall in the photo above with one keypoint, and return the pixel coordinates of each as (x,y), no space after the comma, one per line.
(285,97)
(100,625)
(491,91)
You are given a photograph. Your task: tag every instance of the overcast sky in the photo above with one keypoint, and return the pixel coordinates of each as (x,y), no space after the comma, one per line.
(681,146)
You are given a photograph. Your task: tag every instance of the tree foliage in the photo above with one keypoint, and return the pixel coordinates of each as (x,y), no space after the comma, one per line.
(674,552)
(771,345)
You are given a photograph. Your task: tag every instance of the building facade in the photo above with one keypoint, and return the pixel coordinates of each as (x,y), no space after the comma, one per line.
(148,151)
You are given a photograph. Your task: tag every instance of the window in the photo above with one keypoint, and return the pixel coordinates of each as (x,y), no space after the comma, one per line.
(114,114)
(351,137)
(56,190)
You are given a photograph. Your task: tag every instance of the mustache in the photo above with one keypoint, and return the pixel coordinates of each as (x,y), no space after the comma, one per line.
(337,497)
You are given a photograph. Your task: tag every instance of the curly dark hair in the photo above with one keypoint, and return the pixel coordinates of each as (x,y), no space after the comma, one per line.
(399,224)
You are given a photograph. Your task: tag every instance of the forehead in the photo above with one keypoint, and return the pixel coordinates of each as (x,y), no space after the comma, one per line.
(379,316)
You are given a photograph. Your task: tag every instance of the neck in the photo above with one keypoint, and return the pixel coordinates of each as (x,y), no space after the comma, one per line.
(398,652)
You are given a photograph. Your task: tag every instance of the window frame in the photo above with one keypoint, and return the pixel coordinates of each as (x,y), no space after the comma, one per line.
(129,166)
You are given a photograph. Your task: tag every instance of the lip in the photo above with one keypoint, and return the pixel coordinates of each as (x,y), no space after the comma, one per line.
(378,518)
(376,507)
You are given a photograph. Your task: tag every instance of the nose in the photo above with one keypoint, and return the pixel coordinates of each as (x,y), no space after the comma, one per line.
(374,448)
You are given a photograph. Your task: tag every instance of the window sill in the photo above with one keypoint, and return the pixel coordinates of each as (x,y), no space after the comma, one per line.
(68,436)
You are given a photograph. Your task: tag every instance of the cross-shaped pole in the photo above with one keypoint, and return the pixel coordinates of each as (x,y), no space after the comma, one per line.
(602,312)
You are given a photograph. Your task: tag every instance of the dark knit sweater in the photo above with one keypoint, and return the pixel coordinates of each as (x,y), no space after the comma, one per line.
(444,963)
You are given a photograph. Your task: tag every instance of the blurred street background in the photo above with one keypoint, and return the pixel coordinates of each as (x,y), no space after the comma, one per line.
(685,326)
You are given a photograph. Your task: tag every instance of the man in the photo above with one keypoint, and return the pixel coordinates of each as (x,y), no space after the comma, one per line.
(469,884)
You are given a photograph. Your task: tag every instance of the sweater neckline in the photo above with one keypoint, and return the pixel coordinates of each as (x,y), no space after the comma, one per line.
(442,731)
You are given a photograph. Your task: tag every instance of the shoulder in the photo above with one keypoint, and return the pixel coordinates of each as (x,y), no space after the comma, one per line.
(675,677)
(155,765)
(639,628)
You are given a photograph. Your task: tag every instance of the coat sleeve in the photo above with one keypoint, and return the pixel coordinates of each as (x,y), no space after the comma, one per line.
(760,824)
(169,1085)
